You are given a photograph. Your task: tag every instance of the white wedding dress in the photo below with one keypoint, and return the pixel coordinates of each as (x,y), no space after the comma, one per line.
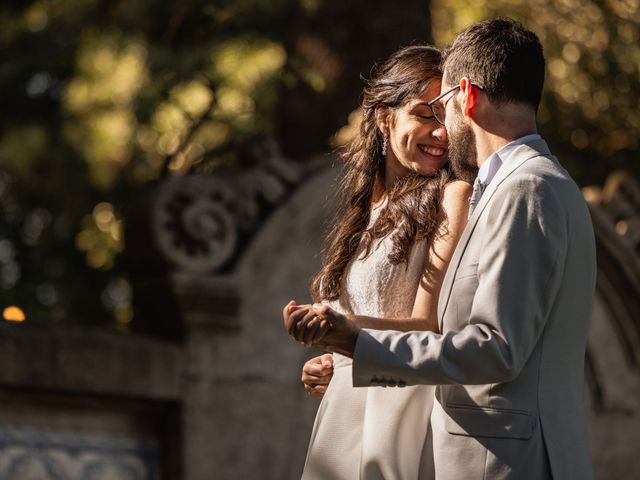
(373,433)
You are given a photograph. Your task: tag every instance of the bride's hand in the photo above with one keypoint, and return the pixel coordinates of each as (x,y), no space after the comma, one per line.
(316,375)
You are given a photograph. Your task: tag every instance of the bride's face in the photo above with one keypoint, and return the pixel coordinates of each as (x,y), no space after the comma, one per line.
(417,142)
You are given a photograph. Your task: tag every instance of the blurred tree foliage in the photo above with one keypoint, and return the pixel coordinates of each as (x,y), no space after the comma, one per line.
(99,97)
(102,96)
(590,110)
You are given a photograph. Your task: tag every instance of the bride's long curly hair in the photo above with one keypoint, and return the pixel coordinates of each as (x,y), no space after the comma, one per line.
(413,205)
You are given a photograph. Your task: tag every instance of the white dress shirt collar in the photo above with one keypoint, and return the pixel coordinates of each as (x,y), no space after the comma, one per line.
(491,166)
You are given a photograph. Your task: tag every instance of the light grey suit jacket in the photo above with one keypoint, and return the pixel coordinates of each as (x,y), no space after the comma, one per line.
(513,313)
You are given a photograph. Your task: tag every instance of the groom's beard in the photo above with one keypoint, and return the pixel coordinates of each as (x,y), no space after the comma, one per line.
(462,148)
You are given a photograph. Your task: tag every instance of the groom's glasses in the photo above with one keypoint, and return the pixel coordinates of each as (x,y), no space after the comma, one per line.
(438,105)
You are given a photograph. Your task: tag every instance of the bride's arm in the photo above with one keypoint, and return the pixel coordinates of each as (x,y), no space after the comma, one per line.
(455,206)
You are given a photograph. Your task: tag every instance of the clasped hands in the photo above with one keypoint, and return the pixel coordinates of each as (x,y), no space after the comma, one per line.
(321,327)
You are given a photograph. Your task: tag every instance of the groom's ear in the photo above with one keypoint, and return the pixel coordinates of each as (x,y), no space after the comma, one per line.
(469,97)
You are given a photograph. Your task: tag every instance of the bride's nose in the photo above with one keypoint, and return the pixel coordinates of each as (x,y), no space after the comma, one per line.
(440,133)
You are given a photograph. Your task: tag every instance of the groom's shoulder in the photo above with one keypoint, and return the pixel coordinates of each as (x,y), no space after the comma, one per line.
(541,164)
(544,176)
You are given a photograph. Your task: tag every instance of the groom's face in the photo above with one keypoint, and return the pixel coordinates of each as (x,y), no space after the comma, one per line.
(462,141)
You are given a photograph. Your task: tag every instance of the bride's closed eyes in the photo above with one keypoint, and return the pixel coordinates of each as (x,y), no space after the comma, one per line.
(422,111)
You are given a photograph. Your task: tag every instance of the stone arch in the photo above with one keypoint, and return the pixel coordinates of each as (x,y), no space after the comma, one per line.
(613,351)
(213,260)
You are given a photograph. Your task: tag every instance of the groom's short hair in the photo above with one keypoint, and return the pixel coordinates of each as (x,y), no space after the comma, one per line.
(501,56)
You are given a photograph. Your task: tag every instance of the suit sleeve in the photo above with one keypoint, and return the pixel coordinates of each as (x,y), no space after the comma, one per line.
(519,272)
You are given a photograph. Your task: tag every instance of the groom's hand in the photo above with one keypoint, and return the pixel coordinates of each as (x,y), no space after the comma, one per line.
(303,324)
(321,327)
(341,334)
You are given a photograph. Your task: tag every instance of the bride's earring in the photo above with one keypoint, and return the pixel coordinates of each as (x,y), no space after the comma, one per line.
(385,139)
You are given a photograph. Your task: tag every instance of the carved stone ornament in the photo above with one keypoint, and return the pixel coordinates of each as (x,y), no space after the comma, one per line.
(199,223)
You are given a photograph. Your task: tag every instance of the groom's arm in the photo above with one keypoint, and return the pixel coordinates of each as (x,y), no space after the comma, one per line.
(519,273)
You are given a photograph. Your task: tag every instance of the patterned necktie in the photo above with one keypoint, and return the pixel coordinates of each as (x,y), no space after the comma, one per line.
(478,190)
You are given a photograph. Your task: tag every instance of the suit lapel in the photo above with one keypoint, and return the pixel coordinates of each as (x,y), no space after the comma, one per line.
(518,157)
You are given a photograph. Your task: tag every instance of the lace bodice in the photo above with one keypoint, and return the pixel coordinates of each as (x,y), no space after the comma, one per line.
(373,286)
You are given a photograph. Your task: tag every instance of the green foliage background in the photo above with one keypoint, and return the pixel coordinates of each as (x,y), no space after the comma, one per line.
(590,110)
(101,97)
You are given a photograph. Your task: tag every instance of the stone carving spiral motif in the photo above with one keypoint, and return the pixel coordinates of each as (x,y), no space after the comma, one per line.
(201,221)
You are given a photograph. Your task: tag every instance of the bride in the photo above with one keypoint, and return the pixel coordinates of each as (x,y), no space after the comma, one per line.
(401,215)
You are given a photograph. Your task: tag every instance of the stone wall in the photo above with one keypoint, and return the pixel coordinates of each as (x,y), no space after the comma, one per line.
(78,405)
(209,386)
(250,395)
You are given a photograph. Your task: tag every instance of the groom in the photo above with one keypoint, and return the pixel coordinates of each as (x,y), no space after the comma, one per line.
(517,296)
